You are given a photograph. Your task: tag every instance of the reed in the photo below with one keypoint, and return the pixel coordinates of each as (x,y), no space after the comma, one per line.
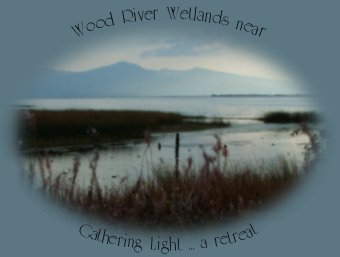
(179,196)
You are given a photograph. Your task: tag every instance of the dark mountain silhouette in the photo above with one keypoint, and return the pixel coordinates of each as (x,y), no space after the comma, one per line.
(126,79)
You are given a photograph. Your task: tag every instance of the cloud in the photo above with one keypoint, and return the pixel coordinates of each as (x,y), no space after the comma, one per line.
(175,48)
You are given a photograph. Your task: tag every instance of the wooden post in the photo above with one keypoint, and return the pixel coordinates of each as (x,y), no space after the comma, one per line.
(177,155)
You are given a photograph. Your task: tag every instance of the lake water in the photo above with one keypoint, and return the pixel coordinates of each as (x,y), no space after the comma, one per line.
(249,141)
(226,107)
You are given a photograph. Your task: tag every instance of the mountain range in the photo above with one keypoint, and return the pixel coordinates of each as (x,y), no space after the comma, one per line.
(127,79)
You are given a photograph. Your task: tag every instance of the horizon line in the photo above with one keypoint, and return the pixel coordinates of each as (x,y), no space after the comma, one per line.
(155,96)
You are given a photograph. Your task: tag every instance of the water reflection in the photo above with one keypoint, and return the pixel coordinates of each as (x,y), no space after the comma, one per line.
(248,143)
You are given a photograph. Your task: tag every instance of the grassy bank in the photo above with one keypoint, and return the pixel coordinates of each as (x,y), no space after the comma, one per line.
(290,117)
(71,127)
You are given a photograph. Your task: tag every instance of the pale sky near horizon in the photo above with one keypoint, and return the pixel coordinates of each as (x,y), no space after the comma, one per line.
(175,54)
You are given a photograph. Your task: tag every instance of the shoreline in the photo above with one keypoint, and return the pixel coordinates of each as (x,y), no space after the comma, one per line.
(84,129)
(39,129)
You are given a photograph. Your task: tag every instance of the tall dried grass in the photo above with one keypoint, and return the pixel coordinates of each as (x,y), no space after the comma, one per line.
(177,196)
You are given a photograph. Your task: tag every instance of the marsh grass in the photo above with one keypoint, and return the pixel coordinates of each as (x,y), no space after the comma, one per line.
(39,128)
(290,117)
(178,198)
(170,194)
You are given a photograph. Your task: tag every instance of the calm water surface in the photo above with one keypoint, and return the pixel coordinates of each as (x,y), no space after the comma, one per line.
(227,107)
(249,141)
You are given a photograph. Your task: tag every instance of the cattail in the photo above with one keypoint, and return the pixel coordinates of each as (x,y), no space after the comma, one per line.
(218,145)
(225,151)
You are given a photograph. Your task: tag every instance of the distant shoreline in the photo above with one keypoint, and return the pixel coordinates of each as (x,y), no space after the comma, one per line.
(260,95)
(19,104)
